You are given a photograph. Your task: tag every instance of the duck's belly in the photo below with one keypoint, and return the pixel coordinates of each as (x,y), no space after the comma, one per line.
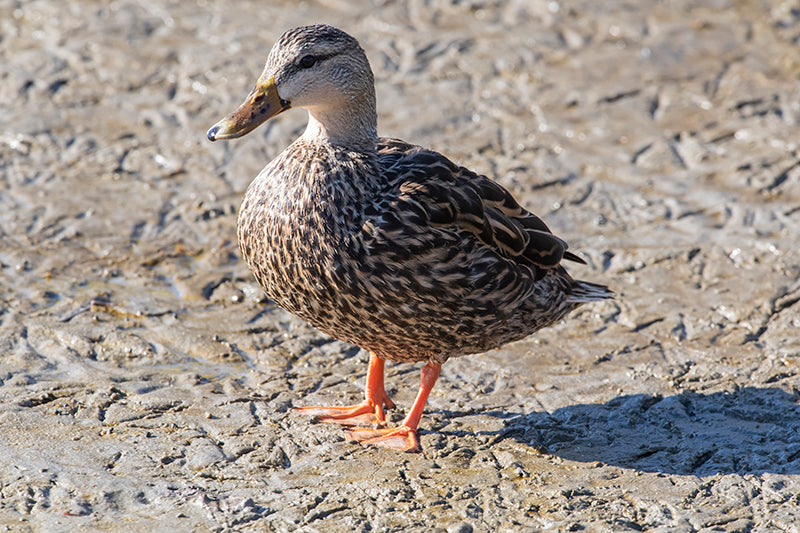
(399,310)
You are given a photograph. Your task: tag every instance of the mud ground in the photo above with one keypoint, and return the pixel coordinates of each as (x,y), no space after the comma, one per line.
(145,384)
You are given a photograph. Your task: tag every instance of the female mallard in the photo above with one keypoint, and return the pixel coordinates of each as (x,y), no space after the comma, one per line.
(382,243)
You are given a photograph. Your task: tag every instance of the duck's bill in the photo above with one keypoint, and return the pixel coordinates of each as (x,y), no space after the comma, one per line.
(262,103)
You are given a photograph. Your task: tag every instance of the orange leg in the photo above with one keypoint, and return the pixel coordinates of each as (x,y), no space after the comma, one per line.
(404,436)
(368,412)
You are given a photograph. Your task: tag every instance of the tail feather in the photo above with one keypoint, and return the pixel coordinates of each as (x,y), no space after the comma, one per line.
(585,291)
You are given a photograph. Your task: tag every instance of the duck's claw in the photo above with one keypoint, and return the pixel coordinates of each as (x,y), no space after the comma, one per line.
(367,413)
(401,438)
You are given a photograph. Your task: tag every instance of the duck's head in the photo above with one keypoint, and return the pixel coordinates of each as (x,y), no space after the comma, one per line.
(319,68)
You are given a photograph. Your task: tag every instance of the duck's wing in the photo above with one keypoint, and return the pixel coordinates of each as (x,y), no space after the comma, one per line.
(433,191)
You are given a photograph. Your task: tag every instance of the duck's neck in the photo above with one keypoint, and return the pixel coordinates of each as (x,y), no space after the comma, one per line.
(353,126)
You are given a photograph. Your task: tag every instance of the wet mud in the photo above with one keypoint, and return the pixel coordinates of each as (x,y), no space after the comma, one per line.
(146,383)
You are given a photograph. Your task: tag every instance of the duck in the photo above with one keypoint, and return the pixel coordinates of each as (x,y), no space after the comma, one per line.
(385,244)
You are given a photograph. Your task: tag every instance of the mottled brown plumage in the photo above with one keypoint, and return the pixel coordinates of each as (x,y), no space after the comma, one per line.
(382,243)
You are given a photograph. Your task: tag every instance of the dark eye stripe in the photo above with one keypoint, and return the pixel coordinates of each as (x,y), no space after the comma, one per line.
(308,57)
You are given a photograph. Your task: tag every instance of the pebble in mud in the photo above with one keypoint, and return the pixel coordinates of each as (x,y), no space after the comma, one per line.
(658,139)
(202,456)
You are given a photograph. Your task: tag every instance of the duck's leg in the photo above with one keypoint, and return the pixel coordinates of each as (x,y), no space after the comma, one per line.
(404,436)
(369,412)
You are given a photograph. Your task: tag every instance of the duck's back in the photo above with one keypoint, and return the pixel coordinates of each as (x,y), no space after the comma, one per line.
(402,252)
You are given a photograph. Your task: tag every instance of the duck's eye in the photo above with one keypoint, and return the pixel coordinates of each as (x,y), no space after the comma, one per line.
(307,61)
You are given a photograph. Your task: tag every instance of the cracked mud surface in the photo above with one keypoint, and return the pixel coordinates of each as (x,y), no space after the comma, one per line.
(144,382)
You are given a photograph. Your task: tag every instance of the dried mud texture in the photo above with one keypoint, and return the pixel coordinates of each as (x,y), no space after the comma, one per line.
(145,384)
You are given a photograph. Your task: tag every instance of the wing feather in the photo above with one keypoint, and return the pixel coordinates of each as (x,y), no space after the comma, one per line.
(444,194)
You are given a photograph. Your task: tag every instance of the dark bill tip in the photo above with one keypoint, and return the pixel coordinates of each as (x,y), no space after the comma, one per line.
(212,133)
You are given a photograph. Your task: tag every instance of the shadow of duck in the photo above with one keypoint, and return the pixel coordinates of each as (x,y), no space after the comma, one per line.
(748,430)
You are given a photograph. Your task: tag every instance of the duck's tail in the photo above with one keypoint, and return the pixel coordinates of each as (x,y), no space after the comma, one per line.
(585,291)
